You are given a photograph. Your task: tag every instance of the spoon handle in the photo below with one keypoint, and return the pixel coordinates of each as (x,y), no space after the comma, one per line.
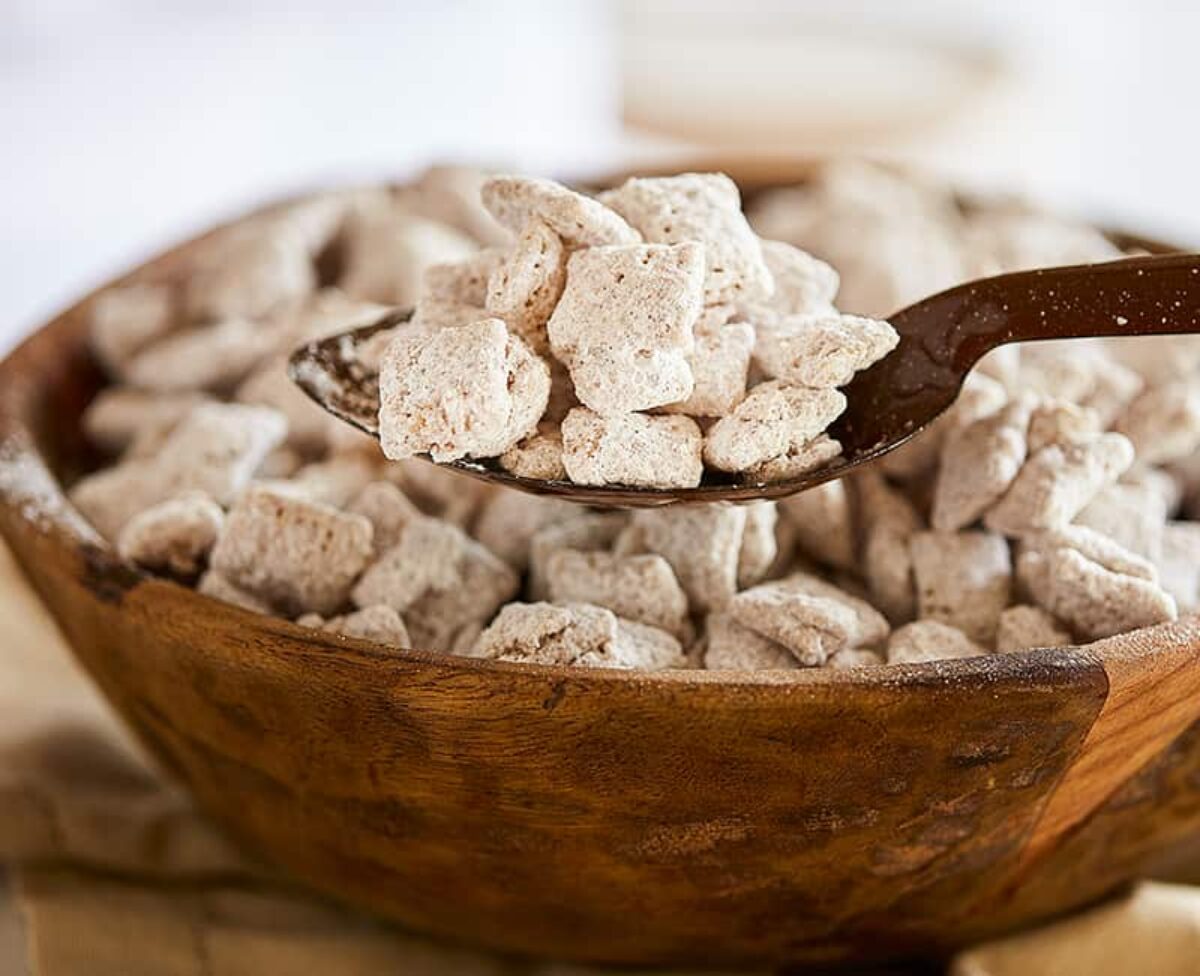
(1139,296)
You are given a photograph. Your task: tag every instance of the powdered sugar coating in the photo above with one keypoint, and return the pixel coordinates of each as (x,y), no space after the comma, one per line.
(641,588)
(631,449)
(174,536)
(472,391)
(577,634)
(295,555)
(1055,483)
(924,641)
(704,207)
(578,219)
(822,350)
(1024,627)
(774,419)
(525,287)
(624,324)
(963,579)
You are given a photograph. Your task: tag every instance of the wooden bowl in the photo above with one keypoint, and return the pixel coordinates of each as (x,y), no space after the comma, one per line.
(804,816)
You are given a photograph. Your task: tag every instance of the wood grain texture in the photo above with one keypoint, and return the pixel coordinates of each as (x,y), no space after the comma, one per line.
(810,816)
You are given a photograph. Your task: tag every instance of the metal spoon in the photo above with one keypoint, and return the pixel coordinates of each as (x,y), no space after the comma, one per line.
(941,338)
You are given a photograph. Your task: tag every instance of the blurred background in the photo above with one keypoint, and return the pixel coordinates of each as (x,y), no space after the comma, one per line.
(129,124)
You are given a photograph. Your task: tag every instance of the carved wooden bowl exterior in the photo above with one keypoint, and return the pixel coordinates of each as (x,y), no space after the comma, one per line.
(805,816)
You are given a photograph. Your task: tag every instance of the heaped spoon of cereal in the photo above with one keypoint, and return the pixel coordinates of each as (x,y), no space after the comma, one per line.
(940,340)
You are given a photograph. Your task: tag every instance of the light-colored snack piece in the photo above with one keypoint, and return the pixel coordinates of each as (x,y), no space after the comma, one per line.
(579,220)
(174,536)
(704,207)
(1114,387)
(325,313)
(855,657)
(963,579)
(526,286)
(811,627)
(1095,546)
(1056,483)
(509,520)
(632,449)
(822,350)
(293,553)
(378,622)
(337,480)
(576,634)
(804,285)
(1025,627)
(1092,600)
(618,380)
(1157,359)
(119,415)
(822,519)
(1178,564)
(1062,369)
(215,449)
(1019,240)
(110,497)
(810,617)
(623,325)
(980,396)
(431,314)
(472,391)
(388,249)
(249,270)
(641,588)
(1061,422)
(388,510)
(924,641)
(1167,486)
(760,547)
(729,646)
(979,463)
(703,545)
(465,281)
(439,579)
(214,585)
(1163,422)
(775,418)
(308,426)
(126,319)
(585,532)
(887,257)
(209,357)
(436,491)
(449,193)
(800,459)
(889,522)
(720,364)
(1133,515)
(539,456)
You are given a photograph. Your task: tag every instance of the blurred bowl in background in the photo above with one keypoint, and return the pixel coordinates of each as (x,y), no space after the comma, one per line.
(788,81)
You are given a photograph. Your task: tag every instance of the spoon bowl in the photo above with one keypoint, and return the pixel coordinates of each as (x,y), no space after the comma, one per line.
(941,339)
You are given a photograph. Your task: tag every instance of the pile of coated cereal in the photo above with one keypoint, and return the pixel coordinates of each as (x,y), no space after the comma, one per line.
(636,338)
(648,305)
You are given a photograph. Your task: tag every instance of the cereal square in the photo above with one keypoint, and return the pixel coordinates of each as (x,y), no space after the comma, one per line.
(296,555)
(704,207)
(632,449)
(472,391)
